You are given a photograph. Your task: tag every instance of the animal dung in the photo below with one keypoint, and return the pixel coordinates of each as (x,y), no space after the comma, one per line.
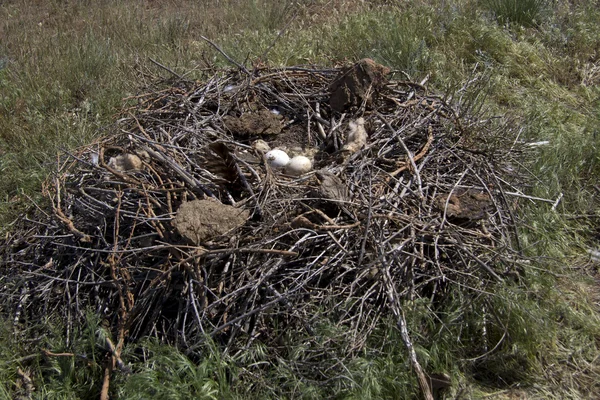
(201,220)
(464,204)
(277,158)
(298,165)
(357,136)
(262,122)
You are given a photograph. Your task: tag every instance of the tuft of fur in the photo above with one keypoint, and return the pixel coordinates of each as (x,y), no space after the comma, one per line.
(125,162)
(357,136)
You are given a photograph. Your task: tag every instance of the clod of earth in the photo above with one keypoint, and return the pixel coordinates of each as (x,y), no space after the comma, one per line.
(200,220)
(262,122)
(357,84)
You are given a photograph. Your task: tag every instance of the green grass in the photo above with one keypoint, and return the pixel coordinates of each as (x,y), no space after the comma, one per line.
(64,71)
(165,373)
(521,12)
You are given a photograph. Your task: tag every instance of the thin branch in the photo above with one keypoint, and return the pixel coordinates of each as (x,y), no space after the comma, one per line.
(165,68)
(240,66)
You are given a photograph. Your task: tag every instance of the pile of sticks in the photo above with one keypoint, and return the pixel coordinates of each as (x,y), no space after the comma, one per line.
(420,208)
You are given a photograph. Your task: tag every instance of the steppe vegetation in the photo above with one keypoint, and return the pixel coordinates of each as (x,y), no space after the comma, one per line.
(65,68)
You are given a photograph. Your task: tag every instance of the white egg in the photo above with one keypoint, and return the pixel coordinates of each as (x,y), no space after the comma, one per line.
(298,165)
(277,158)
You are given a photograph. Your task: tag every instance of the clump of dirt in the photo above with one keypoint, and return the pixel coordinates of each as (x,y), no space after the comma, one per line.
(201,220)
(262,122)
(357,84)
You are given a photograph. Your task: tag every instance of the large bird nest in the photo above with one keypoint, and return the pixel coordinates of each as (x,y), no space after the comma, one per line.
(176,226)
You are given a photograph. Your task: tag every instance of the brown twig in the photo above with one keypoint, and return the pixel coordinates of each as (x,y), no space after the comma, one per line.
(106,380)
(418,156)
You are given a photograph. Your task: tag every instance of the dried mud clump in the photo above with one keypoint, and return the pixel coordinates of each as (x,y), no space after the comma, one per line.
(200,220)
(357,84)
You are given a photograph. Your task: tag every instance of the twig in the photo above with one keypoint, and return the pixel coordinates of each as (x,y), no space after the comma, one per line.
(240,66)
(165,68)
(401,323)
(558,199)
(481,263)
(524,196)
(302,221)
(202,251)
(48,353)
(21,360)
(420,155)
(106,380)
(65,220)
(190,180)
(408,154)
(320,129)
(27,382)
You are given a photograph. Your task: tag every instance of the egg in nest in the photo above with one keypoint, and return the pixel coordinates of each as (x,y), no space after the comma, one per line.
(277,158)
(298,165)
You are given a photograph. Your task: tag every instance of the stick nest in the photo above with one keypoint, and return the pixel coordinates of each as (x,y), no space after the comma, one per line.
(175,225)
